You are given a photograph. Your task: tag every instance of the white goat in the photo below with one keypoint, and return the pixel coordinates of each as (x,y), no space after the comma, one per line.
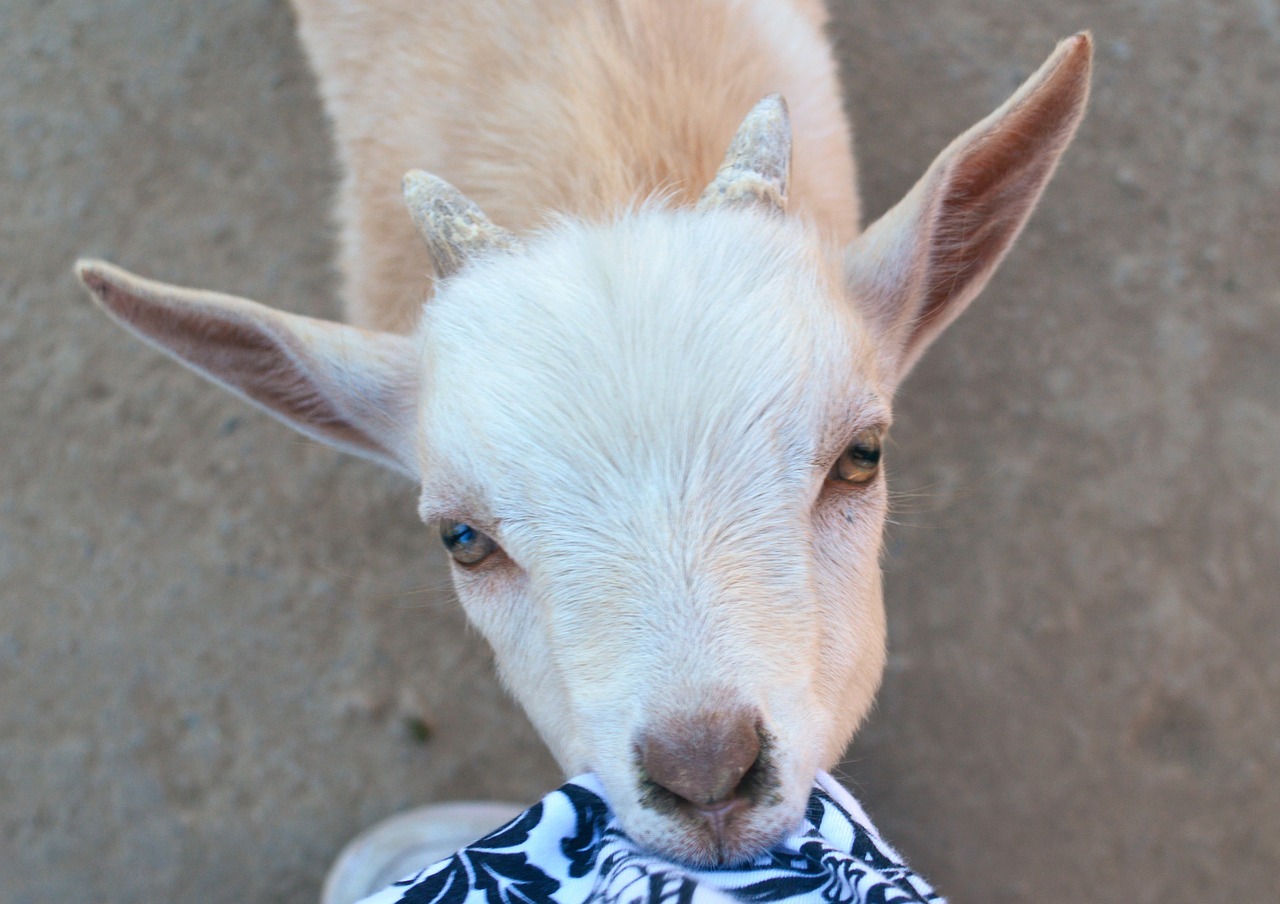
(647,408)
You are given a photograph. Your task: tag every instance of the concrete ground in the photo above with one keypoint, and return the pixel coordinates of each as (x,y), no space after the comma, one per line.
(224,650)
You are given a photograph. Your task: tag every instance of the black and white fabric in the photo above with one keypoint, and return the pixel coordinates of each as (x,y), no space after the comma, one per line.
(569,847)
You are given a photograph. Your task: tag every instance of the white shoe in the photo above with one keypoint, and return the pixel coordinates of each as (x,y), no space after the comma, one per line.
(401,845)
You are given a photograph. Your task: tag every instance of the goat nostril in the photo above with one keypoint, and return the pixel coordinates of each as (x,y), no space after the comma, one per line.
(702,760)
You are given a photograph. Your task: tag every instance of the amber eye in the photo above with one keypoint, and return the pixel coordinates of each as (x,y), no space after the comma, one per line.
(466,544)
(860,462)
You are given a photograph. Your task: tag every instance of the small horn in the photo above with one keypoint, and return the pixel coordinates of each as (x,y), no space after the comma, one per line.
(757,167)
(453,227)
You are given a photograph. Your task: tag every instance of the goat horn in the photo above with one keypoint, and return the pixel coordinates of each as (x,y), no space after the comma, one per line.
(757,167)
(453,227)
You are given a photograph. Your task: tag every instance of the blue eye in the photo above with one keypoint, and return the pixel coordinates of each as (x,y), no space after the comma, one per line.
(466,544)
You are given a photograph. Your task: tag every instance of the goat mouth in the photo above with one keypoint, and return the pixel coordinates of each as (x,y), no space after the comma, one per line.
(725,835)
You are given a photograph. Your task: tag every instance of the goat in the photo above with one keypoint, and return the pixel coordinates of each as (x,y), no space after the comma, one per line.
(647,394)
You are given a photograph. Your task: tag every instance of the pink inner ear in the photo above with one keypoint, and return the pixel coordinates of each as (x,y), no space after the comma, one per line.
(996,179)
(264,364)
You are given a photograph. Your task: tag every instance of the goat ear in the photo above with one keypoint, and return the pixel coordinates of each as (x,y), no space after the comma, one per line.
(348,387)
(920,265)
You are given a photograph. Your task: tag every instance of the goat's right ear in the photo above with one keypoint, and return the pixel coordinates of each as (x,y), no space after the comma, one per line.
(347,387)
(917,267)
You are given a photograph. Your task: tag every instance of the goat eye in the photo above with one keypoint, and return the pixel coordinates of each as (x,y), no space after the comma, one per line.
(860,461)
(466,544)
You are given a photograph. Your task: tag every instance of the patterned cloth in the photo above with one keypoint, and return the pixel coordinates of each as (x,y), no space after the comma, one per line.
(569,847)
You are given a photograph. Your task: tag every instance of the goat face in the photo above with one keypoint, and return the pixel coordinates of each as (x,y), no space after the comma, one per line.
(634,435)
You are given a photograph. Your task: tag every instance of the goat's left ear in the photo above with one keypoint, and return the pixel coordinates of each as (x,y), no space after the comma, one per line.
(347,387)
(917,267)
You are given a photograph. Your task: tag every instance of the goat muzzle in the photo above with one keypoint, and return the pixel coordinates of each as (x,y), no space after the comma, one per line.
(702,760)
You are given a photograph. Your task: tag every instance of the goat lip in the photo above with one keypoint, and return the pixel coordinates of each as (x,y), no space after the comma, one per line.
(720,809)
(717,836)
(720,823)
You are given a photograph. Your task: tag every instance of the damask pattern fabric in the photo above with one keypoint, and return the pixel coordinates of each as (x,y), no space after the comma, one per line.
(569,848)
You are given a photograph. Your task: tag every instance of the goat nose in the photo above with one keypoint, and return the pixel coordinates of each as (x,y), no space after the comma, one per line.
(702,759)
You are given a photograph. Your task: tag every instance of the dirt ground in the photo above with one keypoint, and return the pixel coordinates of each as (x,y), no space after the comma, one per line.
(224,650)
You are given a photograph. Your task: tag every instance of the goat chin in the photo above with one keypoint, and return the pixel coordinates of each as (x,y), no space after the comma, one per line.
(649,388)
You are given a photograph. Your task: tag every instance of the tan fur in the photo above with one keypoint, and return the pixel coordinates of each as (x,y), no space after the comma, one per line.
(570,106)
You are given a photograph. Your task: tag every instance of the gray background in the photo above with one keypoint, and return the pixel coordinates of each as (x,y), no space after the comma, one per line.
(224,650)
